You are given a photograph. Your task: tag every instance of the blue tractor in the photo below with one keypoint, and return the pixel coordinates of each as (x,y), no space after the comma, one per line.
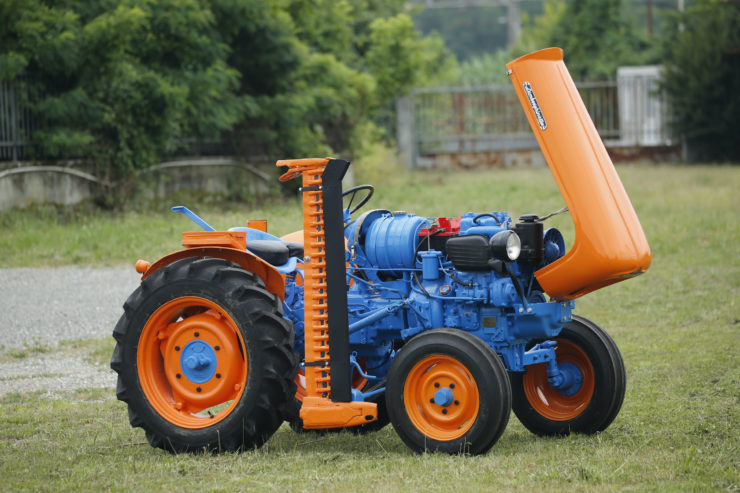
(438,325)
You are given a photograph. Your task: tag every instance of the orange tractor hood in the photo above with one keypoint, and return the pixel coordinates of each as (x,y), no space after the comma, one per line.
(609,245)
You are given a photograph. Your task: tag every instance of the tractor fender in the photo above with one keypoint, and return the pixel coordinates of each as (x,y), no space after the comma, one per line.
(610,244)
(274,281)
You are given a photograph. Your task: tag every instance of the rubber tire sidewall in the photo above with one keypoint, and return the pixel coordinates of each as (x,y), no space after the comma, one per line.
(609,384)
(251,421)
(486,369)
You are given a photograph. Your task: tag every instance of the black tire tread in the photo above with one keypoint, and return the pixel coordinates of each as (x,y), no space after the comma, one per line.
(258,306)
(472,443)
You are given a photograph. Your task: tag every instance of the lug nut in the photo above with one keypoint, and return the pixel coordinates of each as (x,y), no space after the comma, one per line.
(436,384)
(198,389)
(217,348)
(452,385)
(197,334)
(218,375)
(457,403)
(178,376)
(177,348)
(444,411)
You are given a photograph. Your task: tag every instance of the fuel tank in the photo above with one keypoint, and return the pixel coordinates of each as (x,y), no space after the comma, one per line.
(609,244)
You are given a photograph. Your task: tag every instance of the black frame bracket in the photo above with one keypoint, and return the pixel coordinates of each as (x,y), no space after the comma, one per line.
(336,280)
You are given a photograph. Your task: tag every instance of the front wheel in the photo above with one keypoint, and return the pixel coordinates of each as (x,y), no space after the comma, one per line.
(448,392)
(204,357)
(589,407)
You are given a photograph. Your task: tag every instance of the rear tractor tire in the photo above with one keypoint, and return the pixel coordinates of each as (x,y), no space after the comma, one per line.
(204,357)
(592,404)
(448,391)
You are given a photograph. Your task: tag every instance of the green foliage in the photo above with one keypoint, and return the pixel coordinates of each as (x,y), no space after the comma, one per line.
(118,82)
(538,32)
(470,32)
(701,78)
(597,37)
(400,59)
(123,82)
(485,69)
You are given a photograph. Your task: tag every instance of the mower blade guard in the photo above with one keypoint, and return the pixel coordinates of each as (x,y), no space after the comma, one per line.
(609,245)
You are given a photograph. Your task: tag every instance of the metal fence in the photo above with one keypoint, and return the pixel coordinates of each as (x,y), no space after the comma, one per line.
(16,124)
(627,112)
(490,118)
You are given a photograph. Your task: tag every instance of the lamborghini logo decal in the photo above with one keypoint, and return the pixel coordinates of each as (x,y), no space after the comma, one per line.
(535,105)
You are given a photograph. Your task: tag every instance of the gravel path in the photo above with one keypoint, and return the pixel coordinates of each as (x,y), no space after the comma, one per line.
(48,306)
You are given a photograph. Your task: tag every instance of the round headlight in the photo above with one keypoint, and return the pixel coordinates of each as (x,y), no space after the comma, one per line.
(506,245)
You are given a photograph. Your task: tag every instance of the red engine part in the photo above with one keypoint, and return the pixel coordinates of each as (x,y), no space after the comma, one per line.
(445,226)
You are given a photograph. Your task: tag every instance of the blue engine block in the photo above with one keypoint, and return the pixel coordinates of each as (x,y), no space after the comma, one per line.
(401,281)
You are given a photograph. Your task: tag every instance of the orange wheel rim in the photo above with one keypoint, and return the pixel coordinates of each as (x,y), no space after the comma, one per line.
(548,401)
(192,362)
(441,397)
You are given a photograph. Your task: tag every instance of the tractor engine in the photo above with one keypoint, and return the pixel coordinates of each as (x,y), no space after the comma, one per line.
(407,274)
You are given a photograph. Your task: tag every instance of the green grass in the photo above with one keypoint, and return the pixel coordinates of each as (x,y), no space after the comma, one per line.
(678,327)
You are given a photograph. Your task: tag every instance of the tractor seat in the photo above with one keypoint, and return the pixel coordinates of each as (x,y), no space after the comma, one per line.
(275,252)
(295,249)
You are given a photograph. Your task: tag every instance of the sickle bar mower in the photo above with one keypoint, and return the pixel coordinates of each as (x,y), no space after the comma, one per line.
(328,403)
(438,325)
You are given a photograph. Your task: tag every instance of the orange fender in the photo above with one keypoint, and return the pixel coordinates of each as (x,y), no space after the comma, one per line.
(272,278)
(610,245)
(296,236)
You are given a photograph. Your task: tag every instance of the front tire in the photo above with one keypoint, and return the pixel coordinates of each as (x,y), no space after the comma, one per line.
(448,391)
(592,407)
(204,357)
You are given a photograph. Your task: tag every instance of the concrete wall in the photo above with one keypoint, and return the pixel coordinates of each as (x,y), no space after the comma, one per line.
(20,189)
(22,184)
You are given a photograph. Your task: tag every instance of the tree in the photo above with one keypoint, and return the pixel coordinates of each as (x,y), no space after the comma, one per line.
(119,82)
(122,82)
(597,38)
(400,59)
(701,77)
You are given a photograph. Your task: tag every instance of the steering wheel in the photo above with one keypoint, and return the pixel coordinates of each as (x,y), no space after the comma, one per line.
(352,192)
(485,214)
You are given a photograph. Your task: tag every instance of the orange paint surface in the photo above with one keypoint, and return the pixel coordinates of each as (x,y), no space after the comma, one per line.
(317,410)
(273,280)
(442,423)
(228,239)
(174,397)
(610,245)
(546,400)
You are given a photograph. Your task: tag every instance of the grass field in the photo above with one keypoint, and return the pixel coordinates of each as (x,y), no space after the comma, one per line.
(678,327)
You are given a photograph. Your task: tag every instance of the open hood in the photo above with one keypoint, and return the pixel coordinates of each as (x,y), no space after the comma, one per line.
(609,245)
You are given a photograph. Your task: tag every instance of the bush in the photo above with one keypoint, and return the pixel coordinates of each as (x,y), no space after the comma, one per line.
(701,78)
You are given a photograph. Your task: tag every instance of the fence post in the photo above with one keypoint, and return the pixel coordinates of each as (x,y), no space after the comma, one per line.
(405,132)
(13,121)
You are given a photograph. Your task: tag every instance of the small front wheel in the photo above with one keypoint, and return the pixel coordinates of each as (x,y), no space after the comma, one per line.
(589,407)
(448,392)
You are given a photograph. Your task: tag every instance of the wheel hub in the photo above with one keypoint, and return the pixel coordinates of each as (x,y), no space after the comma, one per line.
(198,361)
(444,397)
(571,379)
(441,397)
(199,354)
